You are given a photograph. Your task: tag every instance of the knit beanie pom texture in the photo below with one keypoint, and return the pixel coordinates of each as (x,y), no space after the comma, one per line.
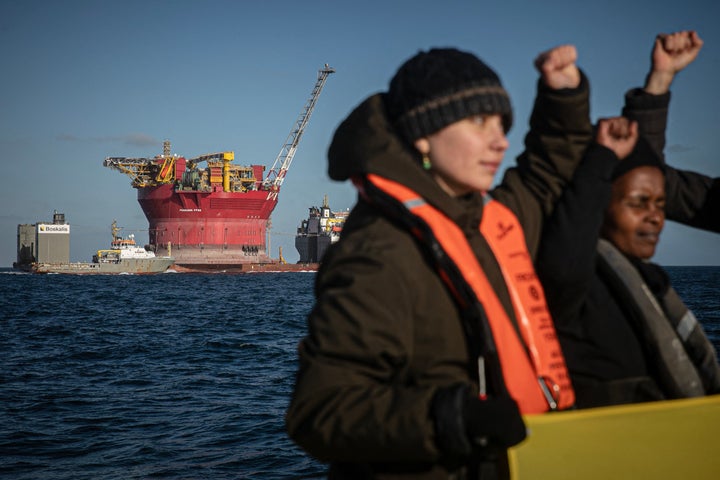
(441,86)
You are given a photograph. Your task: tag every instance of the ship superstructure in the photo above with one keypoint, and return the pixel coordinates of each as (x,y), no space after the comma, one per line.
(208,212)
(321,229)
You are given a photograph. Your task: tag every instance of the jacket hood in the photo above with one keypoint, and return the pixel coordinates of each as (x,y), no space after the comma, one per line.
(365,142)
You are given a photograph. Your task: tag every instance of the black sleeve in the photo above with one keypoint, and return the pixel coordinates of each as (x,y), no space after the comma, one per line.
(560,131)
(651,113)
(692,199)
(566,259)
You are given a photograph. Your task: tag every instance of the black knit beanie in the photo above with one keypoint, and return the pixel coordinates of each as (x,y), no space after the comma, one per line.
(441,86)
(642,156)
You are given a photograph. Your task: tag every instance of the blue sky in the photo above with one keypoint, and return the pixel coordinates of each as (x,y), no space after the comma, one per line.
(81,80)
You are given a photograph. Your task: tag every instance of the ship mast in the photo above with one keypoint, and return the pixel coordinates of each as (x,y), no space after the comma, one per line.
(276,175)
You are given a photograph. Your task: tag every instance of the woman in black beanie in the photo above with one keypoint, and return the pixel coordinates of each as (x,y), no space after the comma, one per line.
(430,335)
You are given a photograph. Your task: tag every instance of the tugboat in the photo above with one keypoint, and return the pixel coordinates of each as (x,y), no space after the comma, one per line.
(321,229)
(123,256)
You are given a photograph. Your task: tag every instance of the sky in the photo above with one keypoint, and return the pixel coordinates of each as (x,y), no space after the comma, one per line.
(82,80)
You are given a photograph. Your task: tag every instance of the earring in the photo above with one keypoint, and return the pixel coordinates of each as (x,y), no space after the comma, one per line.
(426,162)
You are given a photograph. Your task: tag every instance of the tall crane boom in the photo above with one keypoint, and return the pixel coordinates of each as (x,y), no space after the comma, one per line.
(151,172)
(276,175)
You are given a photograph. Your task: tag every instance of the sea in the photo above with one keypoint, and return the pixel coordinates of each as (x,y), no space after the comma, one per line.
(171,376)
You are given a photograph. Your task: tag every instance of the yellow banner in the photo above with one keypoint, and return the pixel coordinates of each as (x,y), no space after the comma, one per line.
(677,439)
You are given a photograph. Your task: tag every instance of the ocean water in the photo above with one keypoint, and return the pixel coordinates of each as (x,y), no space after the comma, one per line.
(173,376)
(164,376)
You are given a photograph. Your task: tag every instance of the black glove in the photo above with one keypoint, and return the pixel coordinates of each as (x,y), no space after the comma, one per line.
(463,422)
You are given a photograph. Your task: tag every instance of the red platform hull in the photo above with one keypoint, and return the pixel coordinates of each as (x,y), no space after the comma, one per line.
(213,229)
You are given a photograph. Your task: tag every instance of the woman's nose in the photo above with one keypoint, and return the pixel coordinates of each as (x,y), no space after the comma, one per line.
(656,214)
(501,141)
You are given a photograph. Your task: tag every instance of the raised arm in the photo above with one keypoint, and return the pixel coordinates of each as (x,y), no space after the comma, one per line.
(560,131)
(566,257)
(692,198)
(558,67)
(671,53)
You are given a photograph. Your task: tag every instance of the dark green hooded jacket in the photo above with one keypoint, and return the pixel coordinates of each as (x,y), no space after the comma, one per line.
(384,333)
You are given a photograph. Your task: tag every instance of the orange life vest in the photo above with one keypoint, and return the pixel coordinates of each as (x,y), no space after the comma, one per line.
(533,367)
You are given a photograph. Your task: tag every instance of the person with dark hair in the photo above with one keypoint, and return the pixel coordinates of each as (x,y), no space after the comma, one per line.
(626,335)
(430,336)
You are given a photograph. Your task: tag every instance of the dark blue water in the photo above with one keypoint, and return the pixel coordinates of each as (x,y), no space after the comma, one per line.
(165,376)
(699,287)
(170,376)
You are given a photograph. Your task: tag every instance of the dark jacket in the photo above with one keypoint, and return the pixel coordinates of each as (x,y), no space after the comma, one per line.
(384,334)
(602,351)
(693,199)
(599,329)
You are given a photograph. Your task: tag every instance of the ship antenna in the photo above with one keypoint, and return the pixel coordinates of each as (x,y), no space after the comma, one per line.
(114,229)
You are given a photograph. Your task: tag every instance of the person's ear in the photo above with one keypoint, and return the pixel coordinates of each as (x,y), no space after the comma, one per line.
(422,145)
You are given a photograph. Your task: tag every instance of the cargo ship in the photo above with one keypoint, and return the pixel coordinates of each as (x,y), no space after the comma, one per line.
(211,213)
(321,229)
(123,256)
(45,248)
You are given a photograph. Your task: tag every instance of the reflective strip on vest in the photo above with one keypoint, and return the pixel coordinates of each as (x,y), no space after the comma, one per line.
(533,366)
(684,360)
(686,325)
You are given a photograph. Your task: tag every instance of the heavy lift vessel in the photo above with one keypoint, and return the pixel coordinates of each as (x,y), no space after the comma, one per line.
(214,218)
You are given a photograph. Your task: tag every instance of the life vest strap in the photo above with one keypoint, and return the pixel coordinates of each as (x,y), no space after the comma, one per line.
(677,374)
(531,363)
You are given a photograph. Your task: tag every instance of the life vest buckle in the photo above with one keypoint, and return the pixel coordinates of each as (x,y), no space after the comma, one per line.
(551,391)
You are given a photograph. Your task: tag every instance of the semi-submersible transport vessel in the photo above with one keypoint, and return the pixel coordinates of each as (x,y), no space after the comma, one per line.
(209,213)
